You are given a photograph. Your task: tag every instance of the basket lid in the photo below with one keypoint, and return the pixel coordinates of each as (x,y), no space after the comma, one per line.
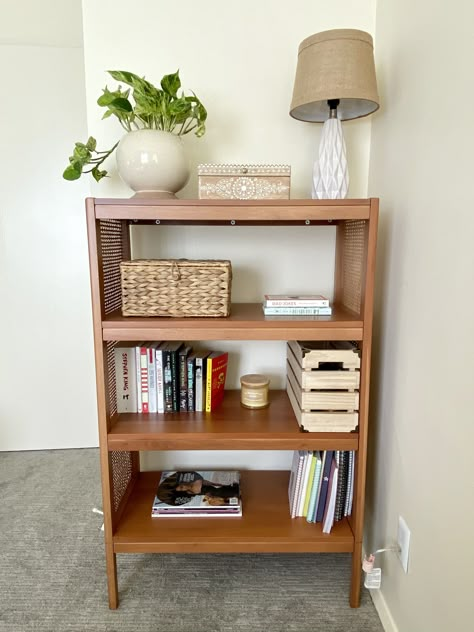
(178,262)
(243,170)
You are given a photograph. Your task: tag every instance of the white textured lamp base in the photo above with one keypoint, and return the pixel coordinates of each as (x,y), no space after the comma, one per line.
(330,174)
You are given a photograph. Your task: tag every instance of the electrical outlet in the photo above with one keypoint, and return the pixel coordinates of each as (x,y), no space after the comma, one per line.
(403,543)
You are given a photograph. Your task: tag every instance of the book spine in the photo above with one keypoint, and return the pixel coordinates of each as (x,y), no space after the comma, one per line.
(297,303)
(138,379)
(190,377)
(304,483)
(168,388)
(324,486)
(297,311)
(175,380)
(183,380)
(199,384)
(152,405)
(144,378)
(125,379)
(160,401)
(208,385)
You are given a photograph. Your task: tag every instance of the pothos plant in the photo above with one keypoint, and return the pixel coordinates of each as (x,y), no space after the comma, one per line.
(141,106)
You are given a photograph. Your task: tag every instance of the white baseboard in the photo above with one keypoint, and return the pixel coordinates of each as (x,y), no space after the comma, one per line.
(382,610)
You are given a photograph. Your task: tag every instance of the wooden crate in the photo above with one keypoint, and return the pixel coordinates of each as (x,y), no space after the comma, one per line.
(244,182)
(324,397)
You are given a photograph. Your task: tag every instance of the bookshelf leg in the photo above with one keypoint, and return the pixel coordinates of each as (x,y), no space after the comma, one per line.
(354,599)
(112,578)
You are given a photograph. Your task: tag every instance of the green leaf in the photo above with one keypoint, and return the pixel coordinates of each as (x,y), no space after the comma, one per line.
(70,173)
(180,107)
(121,104)
(98,174)
(171,83)
(81,153)
(91,143)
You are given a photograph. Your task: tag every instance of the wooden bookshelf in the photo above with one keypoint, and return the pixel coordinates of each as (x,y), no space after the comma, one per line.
(127,491)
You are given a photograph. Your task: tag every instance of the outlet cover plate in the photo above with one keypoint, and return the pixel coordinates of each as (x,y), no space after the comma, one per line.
(403,542)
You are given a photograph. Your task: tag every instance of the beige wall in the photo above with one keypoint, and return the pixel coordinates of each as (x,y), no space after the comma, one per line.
(423,404)
(47,393)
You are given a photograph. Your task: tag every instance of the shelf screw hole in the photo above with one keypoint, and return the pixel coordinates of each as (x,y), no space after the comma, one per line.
(232,222)
(307,222)
(157,221)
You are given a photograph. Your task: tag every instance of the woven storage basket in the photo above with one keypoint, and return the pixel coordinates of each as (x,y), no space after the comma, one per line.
(176,287)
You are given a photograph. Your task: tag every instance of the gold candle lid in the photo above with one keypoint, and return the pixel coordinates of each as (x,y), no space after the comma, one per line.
(254,379)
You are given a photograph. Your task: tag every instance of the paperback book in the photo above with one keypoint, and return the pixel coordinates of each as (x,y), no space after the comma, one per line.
(203,493)
(305,300)
(297,311)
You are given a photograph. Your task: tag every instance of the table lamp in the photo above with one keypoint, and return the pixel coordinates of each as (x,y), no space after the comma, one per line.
(335,81)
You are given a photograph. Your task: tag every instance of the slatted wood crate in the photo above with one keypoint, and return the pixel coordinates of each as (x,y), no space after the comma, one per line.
(323,385)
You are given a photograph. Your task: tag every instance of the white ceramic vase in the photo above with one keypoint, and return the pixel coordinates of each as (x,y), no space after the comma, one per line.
(152,163)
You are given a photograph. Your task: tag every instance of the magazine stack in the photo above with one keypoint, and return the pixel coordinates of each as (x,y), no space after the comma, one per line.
(205,493)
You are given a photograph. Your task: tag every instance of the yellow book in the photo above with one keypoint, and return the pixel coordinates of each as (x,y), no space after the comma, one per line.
(310,485)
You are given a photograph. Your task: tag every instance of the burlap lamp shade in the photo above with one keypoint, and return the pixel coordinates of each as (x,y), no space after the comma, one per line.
(336,64)
(335,81)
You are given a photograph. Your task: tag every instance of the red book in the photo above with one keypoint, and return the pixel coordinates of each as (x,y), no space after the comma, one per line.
(144,379)
(215,379)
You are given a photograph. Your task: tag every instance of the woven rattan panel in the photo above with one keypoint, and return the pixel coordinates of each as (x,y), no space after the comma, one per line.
(353,262)
(112,242)
(121,463)
(111,383)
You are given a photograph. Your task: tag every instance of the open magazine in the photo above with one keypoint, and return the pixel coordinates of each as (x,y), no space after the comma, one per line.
(204,493)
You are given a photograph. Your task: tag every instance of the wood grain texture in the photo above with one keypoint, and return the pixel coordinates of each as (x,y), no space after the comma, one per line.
(246,322)
(227,210)
(230,427)
(265,526)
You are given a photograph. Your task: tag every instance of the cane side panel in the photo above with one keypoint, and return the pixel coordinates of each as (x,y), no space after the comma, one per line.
(352,264)
(114,249)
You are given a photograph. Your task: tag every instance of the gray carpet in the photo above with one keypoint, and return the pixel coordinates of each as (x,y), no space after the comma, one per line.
(52,575)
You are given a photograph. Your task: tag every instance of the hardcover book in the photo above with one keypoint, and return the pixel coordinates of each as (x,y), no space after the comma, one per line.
(160,400)
(190,369)
(183,377)
(194,493)
(305,300)
(151,357)
(215,379)
(125,379)
(144,378)
(200,381)
(297,311)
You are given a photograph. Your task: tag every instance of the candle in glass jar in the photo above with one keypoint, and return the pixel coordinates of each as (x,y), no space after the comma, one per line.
(254,391)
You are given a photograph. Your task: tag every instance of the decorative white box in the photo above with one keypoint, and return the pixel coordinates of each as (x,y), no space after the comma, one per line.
(244,182)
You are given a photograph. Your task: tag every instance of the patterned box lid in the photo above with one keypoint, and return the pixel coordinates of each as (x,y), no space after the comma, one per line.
(243,170)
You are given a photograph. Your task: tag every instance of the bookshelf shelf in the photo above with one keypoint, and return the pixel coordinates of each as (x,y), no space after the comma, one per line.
(230,427)
(127,492)
(264,527)
(246,322)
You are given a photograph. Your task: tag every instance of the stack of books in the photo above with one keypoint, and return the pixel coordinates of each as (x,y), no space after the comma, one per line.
(168,377)
(321,486)
(201,494)
(298,305)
